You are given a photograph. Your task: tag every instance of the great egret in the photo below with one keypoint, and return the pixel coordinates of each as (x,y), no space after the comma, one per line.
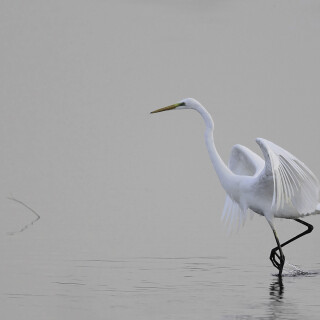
(281,186)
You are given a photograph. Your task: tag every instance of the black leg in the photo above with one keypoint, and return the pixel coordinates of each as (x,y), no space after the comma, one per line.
(278,264)
(273,255)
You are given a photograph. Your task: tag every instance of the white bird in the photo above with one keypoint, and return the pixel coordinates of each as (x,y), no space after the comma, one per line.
(280,186)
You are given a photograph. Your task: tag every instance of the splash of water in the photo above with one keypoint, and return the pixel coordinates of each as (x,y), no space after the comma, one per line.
(291,270)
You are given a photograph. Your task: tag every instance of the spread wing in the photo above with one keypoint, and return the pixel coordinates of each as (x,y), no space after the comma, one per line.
(293,180)
(242,162)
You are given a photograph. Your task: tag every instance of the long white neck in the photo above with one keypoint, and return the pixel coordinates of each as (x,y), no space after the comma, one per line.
(226,176)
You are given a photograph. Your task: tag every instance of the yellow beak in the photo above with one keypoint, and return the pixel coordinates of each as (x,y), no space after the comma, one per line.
(173,106)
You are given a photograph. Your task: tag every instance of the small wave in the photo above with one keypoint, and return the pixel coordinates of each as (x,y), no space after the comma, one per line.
(291,270)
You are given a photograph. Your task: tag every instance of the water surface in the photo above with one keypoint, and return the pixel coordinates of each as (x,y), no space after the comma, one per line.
(155,288)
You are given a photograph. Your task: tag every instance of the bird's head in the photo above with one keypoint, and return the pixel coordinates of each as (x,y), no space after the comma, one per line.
(188,103)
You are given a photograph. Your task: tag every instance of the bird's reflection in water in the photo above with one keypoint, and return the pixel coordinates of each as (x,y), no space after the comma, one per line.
(276,290)
(279,307)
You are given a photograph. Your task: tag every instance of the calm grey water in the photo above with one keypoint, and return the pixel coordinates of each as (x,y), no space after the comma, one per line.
(154,288)
(129,203)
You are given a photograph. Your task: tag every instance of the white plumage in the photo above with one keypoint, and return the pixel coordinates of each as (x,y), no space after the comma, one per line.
(295,187)
(280,186)
(294,183)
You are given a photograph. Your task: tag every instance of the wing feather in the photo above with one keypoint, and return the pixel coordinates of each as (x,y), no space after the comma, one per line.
(232,214)
(242,161)
(293,181)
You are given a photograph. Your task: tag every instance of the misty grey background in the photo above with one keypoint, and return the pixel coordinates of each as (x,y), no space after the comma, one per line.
(112,182)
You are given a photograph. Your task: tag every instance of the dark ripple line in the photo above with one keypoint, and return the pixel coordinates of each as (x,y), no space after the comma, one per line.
(70,283)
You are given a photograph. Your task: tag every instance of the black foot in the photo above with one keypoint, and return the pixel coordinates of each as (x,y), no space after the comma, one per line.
(277,260)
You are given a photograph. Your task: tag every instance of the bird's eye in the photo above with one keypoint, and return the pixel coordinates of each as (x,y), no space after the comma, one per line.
(182,104)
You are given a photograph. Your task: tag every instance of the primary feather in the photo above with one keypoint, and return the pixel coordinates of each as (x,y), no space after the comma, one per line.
(293,182)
